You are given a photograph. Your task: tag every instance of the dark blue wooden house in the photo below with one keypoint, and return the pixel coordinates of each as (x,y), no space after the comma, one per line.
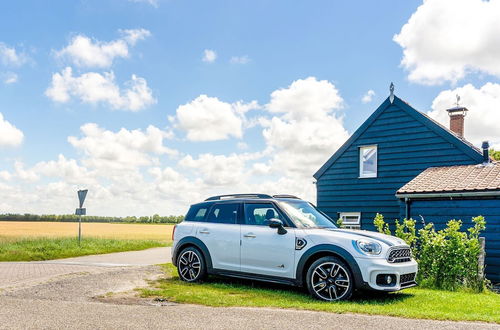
(388,152)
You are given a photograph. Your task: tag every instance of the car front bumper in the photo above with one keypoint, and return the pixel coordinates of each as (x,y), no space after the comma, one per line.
(404,273)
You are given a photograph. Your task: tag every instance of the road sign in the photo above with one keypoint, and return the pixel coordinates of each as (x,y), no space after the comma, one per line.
(81,196)
(81,211)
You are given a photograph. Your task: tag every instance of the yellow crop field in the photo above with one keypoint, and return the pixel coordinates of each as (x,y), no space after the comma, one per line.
(14,230)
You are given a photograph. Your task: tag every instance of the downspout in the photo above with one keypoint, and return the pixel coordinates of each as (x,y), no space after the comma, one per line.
(407,208)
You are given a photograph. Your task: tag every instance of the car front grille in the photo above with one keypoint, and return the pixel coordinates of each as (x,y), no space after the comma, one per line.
(407,279)
(399,255)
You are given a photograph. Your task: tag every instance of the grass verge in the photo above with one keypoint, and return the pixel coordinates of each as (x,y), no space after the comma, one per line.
(36,249)
(410,303)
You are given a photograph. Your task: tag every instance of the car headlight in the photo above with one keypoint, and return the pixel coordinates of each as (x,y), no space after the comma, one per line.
(369,247)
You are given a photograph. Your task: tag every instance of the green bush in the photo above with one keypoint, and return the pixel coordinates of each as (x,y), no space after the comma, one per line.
(447,258)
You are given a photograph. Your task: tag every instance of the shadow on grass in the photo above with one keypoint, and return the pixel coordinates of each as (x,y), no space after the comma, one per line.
(360,297)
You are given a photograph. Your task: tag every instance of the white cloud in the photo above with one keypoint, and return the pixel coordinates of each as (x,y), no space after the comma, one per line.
(135,171)
(10,136)
(240,59)
(94,88)
(481,122)
(307,132)
(9,56)
(209,119)
(9,77)
(368,97)
(305,99)
(209,56)
(445,40)
(124,150)
(153,3)
(82,51)
(219,170)
(133,35)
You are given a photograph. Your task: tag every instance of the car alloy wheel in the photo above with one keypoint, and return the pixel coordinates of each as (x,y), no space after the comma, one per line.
(330,279)
(190,265)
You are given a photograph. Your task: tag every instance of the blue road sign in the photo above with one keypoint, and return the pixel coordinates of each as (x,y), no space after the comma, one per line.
(81,196)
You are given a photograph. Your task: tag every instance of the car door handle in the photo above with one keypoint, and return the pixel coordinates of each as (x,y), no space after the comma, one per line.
(250,235)
(204,232)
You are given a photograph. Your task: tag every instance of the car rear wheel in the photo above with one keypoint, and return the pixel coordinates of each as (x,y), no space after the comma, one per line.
(191,265)
(330,279)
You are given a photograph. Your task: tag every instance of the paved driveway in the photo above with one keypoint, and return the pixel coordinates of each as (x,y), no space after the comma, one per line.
(72,293)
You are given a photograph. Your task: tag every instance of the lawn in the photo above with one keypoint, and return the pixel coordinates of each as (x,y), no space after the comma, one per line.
(36,249)
(410,303)
(30,241)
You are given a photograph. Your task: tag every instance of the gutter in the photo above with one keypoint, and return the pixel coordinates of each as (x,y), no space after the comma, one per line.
(448,194)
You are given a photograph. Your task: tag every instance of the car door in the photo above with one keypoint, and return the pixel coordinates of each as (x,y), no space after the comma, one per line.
(263,250)
(220,232)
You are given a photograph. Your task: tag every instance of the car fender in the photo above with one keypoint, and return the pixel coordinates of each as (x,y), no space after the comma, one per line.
(191,240)
(335,250)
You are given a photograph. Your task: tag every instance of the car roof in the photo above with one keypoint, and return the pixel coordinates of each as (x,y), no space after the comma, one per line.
(248,198)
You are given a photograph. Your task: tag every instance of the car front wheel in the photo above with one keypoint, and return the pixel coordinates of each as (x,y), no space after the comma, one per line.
(191,265)
(330,279)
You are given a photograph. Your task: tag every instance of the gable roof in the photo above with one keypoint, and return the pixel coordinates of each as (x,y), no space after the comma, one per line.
(460,143)
(452,179)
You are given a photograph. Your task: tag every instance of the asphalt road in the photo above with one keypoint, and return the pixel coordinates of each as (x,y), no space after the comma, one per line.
(76,298)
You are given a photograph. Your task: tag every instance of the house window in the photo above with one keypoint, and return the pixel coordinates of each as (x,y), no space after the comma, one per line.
(350,219)
(368,162)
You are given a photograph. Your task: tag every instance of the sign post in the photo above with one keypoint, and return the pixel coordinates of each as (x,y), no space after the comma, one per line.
(81,211)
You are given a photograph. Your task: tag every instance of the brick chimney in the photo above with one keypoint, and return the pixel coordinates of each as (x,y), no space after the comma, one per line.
(457,118)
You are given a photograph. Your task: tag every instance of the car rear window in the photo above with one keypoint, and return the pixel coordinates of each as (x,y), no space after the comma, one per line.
(197,212)
(224,213)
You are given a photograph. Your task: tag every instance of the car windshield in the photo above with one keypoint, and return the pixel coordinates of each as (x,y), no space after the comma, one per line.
(305,215)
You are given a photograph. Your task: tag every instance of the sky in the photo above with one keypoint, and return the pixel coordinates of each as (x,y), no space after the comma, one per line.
(154,105)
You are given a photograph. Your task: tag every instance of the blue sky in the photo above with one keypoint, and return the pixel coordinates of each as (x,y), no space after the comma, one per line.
(154,51)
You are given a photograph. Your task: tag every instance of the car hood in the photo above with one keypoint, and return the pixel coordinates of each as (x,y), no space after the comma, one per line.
(360,234)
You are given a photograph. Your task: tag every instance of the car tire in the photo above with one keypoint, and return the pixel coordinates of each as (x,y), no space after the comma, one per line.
(330,279)
(191,265)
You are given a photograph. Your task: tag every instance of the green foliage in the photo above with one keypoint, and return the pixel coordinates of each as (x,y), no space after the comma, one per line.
(380,224)
(35,249)
(91,218)
(447,258)
(340,223)
(495,154)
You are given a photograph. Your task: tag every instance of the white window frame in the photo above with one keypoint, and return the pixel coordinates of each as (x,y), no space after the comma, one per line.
(361,174)
(343,215)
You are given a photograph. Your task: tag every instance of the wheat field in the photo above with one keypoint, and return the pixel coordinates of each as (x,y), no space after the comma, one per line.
(15,230)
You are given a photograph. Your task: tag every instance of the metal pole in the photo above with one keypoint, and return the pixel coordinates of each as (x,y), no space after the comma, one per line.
(79,230)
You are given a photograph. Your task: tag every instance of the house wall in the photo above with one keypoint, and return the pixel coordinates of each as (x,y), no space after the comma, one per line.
(440,211)
(406,147)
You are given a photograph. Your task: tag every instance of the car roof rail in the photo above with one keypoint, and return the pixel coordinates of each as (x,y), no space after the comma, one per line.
(219,197)
(285,196)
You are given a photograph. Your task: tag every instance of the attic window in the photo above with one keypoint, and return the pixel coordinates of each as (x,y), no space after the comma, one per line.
(368,162)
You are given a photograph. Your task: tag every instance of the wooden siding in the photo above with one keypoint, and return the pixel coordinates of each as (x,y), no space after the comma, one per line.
(406,147)
(440,211)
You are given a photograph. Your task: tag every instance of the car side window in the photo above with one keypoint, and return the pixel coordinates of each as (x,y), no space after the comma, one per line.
(197,212)
(224,213)
(259,214)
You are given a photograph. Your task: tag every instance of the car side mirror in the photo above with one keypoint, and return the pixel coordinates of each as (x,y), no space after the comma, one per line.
(277,223)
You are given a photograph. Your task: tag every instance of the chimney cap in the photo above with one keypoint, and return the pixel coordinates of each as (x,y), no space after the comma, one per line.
(456,110)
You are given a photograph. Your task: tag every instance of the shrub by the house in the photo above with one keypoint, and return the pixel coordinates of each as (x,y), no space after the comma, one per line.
(448,258)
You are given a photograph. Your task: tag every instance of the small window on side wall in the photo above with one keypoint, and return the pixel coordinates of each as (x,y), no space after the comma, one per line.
(368,162)
(351,219)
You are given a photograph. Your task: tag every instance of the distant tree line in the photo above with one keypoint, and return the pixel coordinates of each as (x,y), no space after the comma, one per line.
(91,218)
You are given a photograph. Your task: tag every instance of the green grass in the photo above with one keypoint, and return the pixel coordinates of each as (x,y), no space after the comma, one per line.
(36,249)
(410,303)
